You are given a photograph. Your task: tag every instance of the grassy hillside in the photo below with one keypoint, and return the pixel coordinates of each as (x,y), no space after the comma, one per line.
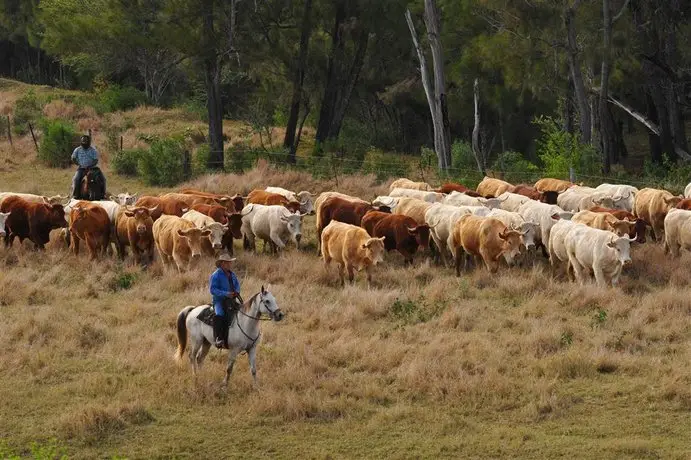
(423,365)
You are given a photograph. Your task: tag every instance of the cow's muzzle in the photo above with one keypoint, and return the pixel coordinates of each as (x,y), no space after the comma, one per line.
(141,229)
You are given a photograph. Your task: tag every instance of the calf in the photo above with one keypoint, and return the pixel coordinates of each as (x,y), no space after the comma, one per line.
(178,241)
(342,210)
(604,221)
(90,223)
(133,228)
(652,206)
(352,249)
(221,215)
(403,234)
(24,219)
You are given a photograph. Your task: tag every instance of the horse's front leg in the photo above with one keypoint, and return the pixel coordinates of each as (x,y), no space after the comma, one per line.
(231,362)
(252,358)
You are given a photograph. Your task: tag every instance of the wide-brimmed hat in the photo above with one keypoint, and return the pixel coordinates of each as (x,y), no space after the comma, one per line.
(225,257)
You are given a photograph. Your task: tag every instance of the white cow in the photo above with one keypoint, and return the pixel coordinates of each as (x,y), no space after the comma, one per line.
(387,201)
(515,221)
(557,244)
(3,217)
(544,215)
(304,198)
(579,198)
(430,197)
(274,224)
(512,201)
(677,231)
(598,250)
(214,241)
(124,199)
(624,196)
(461,199)
(687,191)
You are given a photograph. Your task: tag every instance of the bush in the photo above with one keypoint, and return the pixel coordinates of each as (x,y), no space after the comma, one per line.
(116,98)
(200,161)
(560,150)
(384,165)
(57,144)
(165,164)
(241,157)
(462,157)
(516,169)
(125,162)
(27,109)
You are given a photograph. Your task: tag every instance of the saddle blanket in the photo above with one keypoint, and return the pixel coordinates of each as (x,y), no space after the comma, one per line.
(207,316)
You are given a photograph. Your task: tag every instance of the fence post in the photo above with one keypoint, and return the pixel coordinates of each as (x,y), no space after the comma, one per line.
(572,175)
(9,131)
(186,163)
(120,143)
(33,136)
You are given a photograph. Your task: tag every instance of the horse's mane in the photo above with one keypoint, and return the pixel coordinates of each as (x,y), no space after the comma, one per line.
(248,305)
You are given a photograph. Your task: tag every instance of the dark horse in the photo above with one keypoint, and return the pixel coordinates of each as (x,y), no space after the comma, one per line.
(93,185)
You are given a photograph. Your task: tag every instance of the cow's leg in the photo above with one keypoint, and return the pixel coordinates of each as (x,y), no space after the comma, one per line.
(341,273)
(599,275)
(276,239)
(231,362)
(351,272)
(121,248)
(92,245)
(75,244)
(252,359)
(459,255)
(368,271)
(179,262)
(578,269)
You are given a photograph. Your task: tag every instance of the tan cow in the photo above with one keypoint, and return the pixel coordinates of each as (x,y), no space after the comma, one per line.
(484,237)
(409,184)
(579,198)
(178,241)
(31,198)
(652,206)
(490,187)
(552,185)
(214,242)
(604,221)
(412,207)
(191,199)
(133,228)
(352,248)
(677,231)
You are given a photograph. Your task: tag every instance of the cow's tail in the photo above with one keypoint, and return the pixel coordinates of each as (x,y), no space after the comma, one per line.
(182,331)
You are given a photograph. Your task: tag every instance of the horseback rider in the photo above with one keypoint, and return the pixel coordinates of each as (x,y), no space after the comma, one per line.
(225,291)
(86,157)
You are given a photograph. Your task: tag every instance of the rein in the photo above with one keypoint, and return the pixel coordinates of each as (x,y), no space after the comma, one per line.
(256,318)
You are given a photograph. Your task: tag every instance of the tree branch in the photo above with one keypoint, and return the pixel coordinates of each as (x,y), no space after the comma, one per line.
(621,11)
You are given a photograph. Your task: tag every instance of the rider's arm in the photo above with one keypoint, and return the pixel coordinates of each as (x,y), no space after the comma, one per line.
(74,155)
(235,284)
(93,153)
(216,285)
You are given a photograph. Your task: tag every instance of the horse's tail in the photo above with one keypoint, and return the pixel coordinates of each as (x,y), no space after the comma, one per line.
(182,331)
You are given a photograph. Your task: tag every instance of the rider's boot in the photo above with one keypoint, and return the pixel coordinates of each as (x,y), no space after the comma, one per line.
(220,331)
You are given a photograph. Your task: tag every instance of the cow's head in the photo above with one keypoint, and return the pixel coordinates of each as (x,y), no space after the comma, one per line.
(216,232)
(124,199)
(227,202)
(603,201)
(672,201)
(306,202)
(374,250)
(511,244)
(238,201)
(549,197)
(194,236)
(528,231)
(621,227)
(3,217)
(235,224)
(142,217)
(56,199)
(639,230)
(421,234)
(622,248)
(293,223)
(684,204)
(492,203)
(292,206)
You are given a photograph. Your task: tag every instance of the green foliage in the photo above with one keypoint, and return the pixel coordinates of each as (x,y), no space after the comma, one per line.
(50,450)
(599,317)
(566,338)
(560,150)
(384,165)
(409,312)
(200,160)
(122,281)
(27,109)
(57,143)
(668,175)
(165,163)
(125,162)
(516,169)
(462,156)
(241,157)
(116,97)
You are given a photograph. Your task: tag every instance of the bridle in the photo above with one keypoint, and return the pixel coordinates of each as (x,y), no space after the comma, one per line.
(256,318)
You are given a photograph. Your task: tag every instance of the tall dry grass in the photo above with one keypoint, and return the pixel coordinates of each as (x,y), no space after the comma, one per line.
(424,364)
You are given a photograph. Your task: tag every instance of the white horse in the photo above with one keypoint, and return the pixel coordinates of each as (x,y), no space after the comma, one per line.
(243,335)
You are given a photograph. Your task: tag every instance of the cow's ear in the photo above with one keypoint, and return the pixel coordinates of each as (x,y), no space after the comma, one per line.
(611,244)
(412,230)
(555,216)
(129,213)
(182,233)
(206,232)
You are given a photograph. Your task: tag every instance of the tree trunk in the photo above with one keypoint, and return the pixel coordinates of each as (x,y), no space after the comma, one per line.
(443,132)
(577,75)
(606,129)
(476,128)
(212,77)
(289,141)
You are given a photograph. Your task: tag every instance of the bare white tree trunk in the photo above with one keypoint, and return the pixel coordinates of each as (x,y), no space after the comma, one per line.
(436,97)
(476,127)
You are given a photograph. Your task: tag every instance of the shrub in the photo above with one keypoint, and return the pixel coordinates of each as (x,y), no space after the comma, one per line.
(27,109)
(516,169)
(200,161)
(241,157)
(57,144)
(116,97)
(462,157)
(384,165)
(560,150)
(165,164)
(125,162)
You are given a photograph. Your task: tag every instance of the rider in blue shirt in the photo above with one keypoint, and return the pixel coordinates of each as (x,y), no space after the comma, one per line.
(84,156)
(223,286)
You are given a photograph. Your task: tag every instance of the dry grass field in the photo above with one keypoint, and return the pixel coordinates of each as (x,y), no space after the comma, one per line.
(423,365)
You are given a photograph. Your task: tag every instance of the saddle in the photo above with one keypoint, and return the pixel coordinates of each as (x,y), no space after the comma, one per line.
(208,314)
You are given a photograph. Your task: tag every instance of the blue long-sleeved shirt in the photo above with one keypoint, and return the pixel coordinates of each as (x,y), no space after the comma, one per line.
(221,285)
(85,158)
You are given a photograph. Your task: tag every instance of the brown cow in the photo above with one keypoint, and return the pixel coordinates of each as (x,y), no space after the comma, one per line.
(31,220)
(352,249)
(652,206)
(268,199)
(133,228)
(89,222)
(553,185)
(640,225)
(684,204)
(342,210)
(222,216)
(167,206)
(604,221)
(403,234)
(484,237)
(178,241)
(238,200)
(549,197)
(490,187)
(191,200)
(449,187)
(371,219)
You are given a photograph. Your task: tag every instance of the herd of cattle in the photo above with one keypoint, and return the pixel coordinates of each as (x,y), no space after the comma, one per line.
(581,230)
